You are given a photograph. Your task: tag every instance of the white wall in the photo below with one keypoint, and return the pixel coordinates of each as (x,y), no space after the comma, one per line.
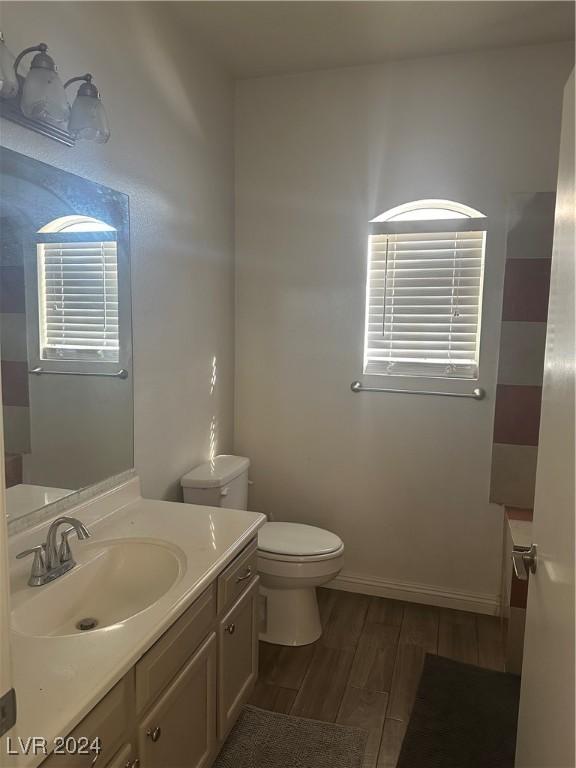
(170,109)
(403,479)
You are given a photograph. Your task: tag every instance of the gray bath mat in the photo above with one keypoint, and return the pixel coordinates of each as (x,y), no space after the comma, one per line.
(464,717)
(262,739)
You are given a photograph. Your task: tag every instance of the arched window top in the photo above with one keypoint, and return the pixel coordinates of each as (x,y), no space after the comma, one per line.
(76,223)
(428,210)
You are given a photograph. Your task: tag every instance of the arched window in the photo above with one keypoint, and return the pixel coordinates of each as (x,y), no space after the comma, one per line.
(424,290)
(78,290)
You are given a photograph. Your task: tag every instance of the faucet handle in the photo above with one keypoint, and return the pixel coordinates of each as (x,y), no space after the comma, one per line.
(64,551)
(39,563)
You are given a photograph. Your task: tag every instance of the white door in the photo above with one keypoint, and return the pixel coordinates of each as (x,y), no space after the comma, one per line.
(546,721)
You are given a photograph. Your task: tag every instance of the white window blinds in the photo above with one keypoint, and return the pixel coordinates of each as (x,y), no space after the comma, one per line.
(424,298)
(78,297)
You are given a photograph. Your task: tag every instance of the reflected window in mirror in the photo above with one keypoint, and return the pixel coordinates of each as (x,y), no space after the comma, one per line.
(65,311)
(77,274)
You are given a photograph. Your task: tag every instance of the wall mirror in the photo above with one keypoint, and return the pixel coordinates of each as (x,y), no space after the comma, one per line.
(66,334)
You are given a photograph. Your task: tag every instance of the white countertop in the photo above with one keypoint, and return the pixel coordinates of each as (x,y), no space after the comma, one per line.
(59,679)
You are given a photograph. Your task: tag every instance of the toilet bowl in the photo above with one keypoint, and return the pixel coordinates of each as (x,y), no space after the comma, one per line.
(293,558)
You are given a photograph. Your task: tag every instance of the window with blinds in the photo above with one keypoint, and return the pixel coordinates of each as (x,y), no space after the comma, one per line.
(424,296)
(78,295)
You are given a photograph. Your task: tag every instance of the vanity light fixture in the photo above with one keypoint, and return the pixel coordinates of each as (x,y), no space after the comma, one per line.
(38,100)
(88,117)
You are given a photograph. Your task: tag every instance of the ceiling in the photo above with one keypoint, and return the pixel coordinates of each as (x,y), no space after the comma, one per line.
(266,38)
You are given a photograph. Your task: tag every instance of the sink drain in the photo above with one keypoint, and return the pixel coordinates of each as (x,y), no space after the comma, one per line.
(85,624)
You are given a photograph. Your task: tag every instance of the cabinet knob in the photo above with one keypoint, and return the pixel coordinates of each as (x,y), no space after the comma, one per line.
(246,575)
(230,628)
(154,733)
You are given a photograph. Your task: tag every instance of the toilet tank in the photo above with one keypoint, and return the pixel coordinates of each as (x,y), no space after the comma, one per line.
(222,482)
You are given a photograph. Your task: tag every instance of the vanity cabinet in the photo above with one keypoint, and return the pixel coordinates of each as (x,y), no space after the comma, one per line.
(233,580)
(110,722)
(175,707)
(180,729)
(238,658)
(124,758)
(169,654)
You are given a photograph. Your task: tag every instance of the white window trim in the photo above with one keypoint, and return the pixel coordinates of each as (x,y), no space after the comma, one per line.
(75,335)
(447,209)
(77,228)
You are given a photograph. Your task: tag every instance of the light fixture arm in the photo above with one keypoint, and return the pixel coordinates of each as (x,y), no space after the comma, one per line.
(87,78)
(87,89)
(41,60)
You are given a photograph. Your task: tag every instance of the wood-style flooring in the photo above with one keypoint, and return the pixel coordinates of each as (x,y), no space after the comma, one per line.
(365,668)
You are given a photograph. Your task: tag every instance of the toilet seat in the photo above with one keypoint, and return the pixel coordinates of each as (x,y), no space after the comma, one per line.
(300,559)
(296,542)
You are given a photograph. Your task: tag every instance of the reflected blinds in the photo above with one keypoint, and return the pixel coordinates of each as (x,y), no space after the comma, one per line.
(78,298)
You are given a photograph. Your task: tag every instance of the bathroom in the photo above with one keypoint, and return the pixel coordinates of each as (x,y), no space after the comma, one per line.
(259,156)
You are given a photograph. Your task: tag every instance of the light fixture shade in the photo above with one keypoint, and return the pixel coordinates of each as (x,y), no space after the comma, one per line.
(44,98)
(8,80)
(88,117)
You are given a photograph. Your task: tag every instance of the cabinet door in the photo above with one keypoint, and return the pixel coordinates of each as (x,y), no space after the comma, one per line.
(124,758)
(180,730)
(238,658)
(111,722)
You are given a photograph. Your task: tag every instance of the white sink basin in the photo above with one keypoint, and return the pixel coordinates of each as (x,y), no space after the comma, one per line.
(115,580)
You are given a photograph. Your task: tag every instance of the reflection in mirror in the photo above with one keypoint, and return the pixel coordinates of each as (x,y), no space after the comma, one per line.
(66,338)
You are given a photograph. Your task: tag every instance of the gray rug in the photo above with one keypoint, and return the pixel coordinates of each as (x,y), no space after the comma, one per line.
(262,739)
(464,717)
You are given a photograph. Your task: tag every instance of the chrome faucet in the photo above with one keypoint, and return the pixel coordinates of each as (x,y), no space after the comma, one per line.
(52,560)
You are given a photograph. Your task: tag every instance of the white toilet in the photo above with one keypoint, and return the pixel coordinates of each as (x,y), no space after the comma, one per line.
(293,559)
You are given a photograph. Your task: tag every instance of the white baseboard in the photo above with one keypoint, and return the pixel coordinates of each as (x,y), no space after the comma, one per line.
(417,593)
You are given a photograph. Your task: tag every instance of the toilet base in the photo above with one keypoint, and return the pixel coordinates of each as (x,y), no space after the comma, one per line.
(292,616)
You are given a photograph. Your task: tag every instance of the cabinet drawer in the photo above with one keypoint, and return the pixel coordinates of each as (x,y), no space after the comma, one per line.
(110,721)
(239,575)
(159,665)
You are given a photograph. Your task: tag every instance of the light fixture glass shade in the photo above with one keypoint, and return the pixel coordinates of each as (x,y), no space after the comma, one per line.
(44,98)
(8,80)
(88,119)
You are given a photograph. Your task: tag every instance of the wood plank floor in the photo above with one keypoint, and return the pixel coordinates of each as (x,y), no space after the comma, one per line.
(364,670)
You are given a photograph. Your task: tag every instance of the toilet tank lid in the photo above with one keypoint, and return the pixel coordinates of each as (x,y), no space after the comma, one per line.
(216,473)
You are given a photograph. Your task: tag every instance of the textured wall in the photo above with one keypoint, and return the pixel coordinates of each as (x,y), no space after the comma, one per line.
(404,480)
(170,110)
